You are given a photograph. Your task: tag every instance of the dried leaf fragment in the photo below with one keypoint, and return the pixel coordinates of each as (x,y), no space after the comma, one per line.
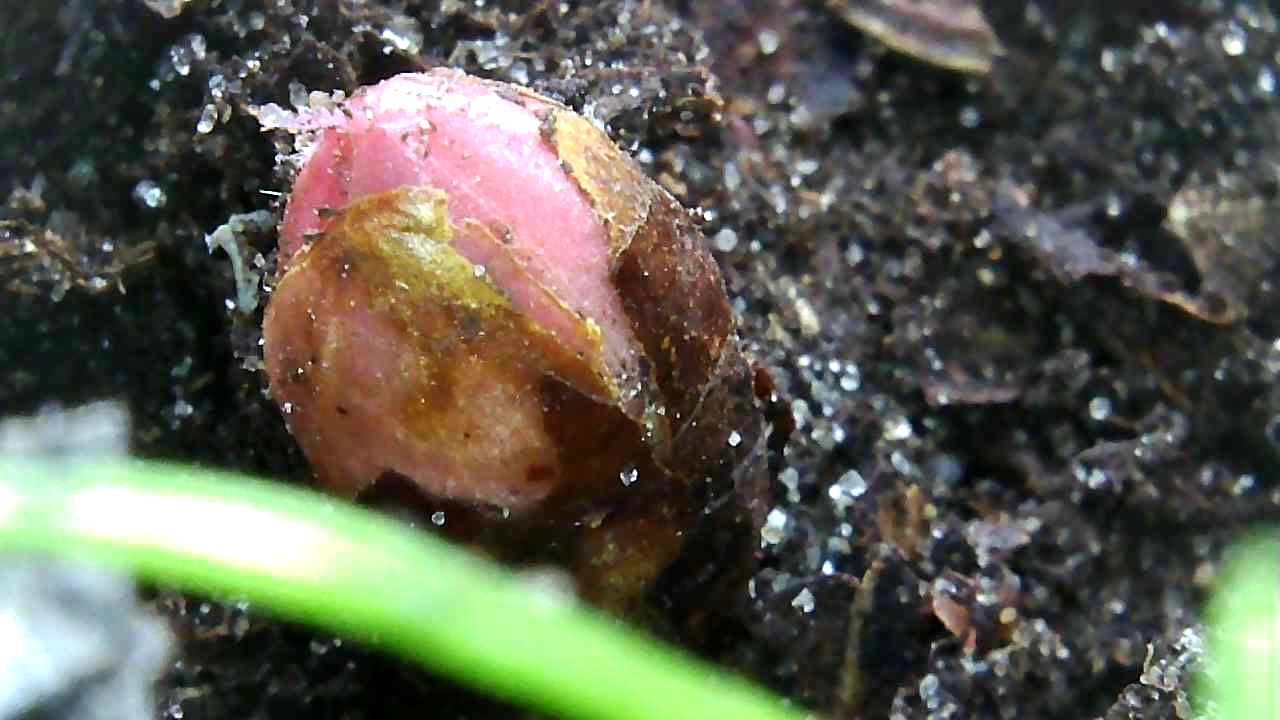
(1230,232)
(953,34)
(1229,264)
(59,255)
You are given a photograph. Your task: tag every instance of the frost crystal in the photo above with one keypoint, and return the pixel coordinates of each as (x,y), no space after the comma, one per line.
(166,8)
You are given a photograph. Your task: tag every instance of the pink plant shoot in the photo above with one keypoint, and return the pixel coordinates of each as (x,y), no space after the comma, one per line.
(481,294)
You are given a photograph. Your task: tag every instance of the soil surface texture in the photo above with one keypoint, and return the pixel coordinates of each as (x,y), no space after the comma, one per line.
(1017,307)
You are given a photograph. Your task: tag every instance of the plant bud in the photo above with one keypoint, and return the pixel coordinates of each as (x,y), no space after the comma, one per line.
(482,296)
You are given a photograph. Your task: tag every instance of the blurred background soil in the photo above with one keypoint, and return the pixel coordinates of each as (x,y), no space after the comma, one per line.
(1020,315)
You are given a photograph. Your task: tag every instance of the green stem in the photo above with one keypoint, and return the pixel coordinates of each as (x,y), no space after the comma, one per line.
(1244,632)
(320,561)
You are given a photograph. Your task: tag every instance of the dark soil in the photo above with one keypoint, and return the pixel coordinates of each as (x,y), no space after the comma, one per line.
(1022,321)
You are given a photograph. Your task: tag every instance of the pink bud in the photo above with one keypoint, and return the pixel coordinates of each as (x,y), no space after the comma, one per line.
(481,294)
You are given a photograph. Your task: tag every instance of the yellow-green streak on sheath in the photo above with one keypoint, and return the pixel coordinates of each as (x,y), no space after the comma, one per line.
(321,561)
(406,243)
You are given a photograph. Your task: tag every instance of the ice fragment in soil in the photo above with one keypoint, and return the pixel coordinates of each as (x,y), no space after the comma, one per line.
(150,194)
(996,538)
(1266,81)
(768,41)
(272,116)
(929,691)
(182,409)
(183,54)
(846,490)
(480,293)
(1100,408)
(402,34)
(167,8)
(1234,40)
(725,240)
(775,528)
(208,118)
(298,96)
(898,427)
(1272,430)
(803,601)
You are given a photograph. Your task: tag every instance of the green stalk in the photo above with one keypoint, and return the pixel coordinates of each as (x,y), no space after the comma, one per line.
(309,558)
(1244,632)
